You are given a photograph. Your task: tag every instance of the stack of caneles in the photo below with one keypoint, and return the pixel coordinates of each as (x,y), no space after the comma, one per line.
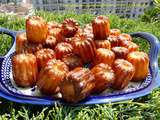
(53,56)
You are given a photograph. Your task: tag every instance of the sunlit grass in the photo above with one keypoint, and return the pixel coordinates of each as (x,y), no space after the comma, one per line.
(144,108)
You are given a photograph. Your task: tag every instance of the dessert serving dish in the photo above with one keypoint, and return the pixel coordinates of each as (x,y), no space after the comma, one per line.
(34,94)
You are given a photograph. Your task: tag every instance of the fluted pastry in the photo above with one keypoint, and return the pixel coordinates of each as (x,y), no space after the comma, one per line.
(72,61)
(84,46)
(51,76)
(101,27)
(24,67)
(124,71)
(104,56)
(140,61)
(50,42)
(69,27)
(131,46)
(103,44)
(36,29)
(113,40)
(115,32)
(78,85)
(120,52)
(43,56)
(63,49)
(104,77)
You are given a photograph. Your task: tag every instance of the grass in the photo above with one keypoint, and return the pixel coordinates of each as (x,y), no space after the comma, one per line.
(144,108)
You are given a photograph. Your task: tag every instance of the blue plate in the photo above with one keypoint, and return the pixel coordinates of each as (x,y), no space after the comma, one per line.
(10,91)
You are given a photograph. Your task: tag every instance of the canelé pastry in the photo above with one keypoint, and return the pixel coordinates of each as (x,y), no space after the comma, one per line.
(50,42)
(102,44)
(101,27)
(84,46)
(131,46)
(59,36)
(124,71)
(32,47)
(104,77)
(51,76)
(120,52)
(21,41)
(63,49)
(43,56)
(115,32)
(36,29)
(78,85)
(23,46)
(104,56)
(25,70)
(72,61)
(113,40)
(124,37)
(140,61)
(69,27)
(53,24)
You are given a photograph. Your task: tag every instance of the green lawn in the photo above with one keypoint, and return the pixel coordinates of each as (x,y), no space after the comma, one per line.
(147,107)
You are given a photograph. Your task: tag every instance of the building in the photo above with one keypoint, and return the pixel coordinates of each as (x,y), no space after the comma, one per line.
(124,8)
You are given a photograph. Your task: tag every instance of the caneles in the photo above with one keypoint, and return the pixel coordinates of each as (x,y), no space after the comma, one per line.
(21,41)
(131,46)
(25,70)
(104,77)
(43,56)
(120,52)
(69,27)
(78,85)
(84,46)
(140,61)
(72,61)
(101,27)
(63,49)
(50,42)
(115,32)
(36,29)
(104,56)
(51,76)
(103,44)
(113,40)
(124,71)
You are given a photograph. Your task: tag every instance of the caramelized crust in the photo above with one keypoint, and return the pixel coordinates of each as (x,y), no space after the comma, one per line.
(103,44)
(115,32)
(36,29)
(72,61)
(131,46)
(124,71)
(140,61)
(21,42)
(51,76)
(104,77)
(24,68)
(23,46)
(63,49)
(69,27)
(84,46)
(124,37)
(120,52)
(50,42)
(78,85)
(104,56)
(113,40)
(101,27)
(43,56)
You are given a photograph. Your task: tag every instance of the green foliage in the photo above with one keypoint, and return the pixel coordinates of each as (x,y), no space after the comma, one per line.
(144,108)
(152,14)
